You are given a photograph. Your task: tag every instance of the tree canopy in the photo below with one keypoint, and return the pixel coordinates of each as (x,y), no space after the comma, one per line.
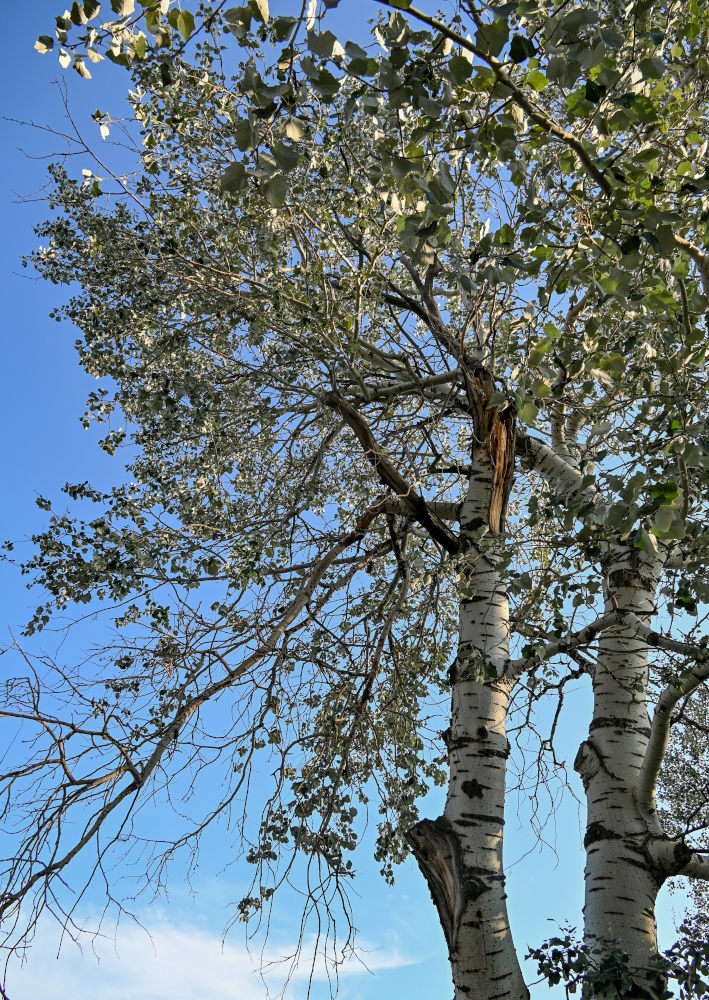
(406,341)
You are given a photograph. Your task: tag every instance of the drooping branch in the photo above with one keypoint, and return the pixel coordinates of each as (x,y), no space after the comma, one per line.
(659,641)
(402,388)
(390,476)
(167,734)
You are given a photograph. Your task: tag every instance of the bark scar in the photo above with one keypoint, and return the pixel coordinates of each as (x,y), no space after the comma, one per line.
(495,427)
(437,851)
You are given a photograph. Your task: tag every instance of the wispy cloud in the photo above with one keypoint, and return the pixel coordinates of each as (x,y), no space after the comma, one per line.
(172,962)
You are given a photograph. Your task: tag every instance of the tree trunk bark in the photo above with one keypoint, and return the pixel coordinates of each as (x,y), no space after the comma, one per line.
(622,881)
(460,853)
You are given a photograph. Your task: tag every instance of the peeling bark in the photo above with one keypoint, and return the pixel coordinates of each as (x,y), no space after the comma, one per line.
(495,429)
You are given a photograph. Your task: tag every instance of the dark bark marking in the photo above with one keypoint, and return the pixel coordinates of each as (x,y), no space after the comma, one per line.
(475,819)
(622,577)
(617,722)
(473,789)
(473,524)
(596,832)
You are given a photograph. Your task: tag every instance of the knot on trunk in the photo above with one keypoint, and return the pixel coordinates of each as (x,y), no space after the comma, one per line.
(587,762)
(436,847)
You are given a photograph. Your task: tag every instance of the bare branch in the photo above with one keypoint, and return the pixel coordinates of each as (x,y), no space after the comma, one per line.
(570,643)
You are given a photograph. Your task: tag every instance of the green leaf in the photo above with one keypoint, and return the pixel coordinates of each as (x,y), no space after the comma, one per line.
(245,135)
(82,69)
(91,8)
(577,104)
(233,178)
(664,517)
(238,20)
(645,542)
(648,155)
(498,398)
(282,27)
(492,37)
(645,109)
(324,44)
(460,68)
(536,79)
(294,130)
(185,23)
(594,92)
(652,68)
(527,411)
(665,236)
(45,43)
(625,100)
(402,165)
(287,157)
(140,45)
(276,190)
(521,48)
(613,362)
(665,491)
(363,67)
(355,51)
(631,245)
(505,235)
(123,7)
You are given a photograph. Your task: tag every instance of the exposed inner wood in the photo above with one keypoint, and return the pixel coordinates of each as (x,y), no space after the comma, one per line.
(436,848)
(495,429)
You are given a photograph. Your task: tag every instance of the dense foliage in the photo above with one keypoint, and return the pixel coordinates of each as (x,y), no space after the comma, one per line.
(341,273)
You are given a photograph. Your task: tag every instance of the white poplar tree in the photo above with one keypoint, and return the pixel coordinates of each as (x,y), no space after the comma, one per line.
(409,340)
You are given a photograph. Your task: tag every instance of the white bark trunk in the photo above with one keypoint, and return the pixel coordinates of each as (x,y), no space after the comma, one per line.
(460,853)
(622,880)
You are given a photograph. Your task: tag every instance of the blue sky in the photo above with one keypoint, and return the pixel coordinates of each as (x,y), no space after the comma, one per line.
(178,953)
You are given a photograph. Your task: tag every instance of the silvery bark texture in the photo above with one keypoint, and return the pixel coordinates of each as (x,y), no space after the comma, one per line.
(460,853)
(621,879)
